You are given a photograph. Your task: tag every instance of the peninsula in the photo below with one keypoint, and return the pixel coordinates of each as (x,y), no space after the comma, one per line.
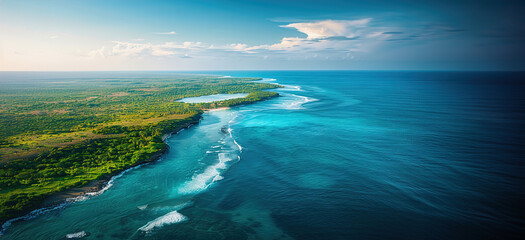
(57,135)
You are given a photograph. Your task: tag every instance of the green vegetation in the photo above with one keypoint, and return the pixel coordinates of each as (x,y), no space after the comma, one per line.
(55,135)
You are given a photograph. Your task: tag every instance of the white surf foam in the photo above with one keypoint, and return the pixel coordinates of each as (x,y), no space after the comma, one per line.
(291,88)
(298,103)
(170,218)
(211,174)
(76,235)
(230,132)
(31,215)
(238,145)
(268,80)
(108,185)
(218,178)
(235,142)
(201,181)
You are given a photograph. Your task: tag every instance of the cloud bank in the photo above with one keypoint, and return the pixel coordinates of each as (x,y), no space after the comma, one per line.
(323,38)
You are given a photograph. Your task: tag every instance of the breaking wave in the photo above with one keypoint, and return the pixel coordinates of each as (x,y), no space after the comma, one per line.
(201,181)
(170,218)
(291,88)
(230,151)
(296,103)
(76,235)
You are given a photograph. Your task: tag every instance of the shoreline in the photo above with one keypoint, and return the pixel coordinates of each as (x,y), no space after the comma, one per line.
(98,184)
(217,109)
(94,186)
(63,198)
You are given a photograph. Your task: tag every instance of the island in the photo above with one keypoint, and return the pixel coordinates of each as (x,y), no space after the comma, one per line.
(61,138)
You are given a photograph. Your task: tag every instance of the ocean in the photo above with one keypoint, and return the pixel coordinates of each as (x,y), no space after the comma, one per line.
(340,155)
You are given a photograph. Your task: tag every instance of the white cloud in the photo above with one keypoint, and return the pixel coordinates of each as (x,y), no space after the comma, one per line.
(286,43)
(166,33)
(134,49)
(329,28)
(159,51)
(329,35)
(129,49)
(237,47)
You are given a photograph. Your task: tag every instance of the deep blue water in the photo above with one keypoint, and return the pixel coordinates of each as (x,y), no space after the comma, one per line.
(341,155)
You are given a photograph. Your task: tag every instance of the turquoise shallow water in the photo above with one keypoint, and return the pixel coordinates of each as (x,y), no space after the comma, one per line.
(341,155)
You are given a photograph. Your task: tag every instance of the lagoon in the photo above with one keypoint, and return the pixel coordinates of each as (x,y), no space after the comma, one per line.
(212,98)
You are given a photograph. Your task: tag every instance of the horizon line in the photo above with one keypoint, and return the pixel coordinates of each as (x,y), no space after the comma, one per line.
(282,70)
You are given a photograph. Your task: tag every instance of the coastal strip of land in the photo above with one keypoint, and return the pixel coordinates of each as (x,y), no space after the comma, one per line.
(66,140)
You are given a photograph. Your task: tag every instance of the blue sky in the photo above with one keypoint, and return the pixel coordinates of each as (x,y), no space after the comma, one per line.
(229,35)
